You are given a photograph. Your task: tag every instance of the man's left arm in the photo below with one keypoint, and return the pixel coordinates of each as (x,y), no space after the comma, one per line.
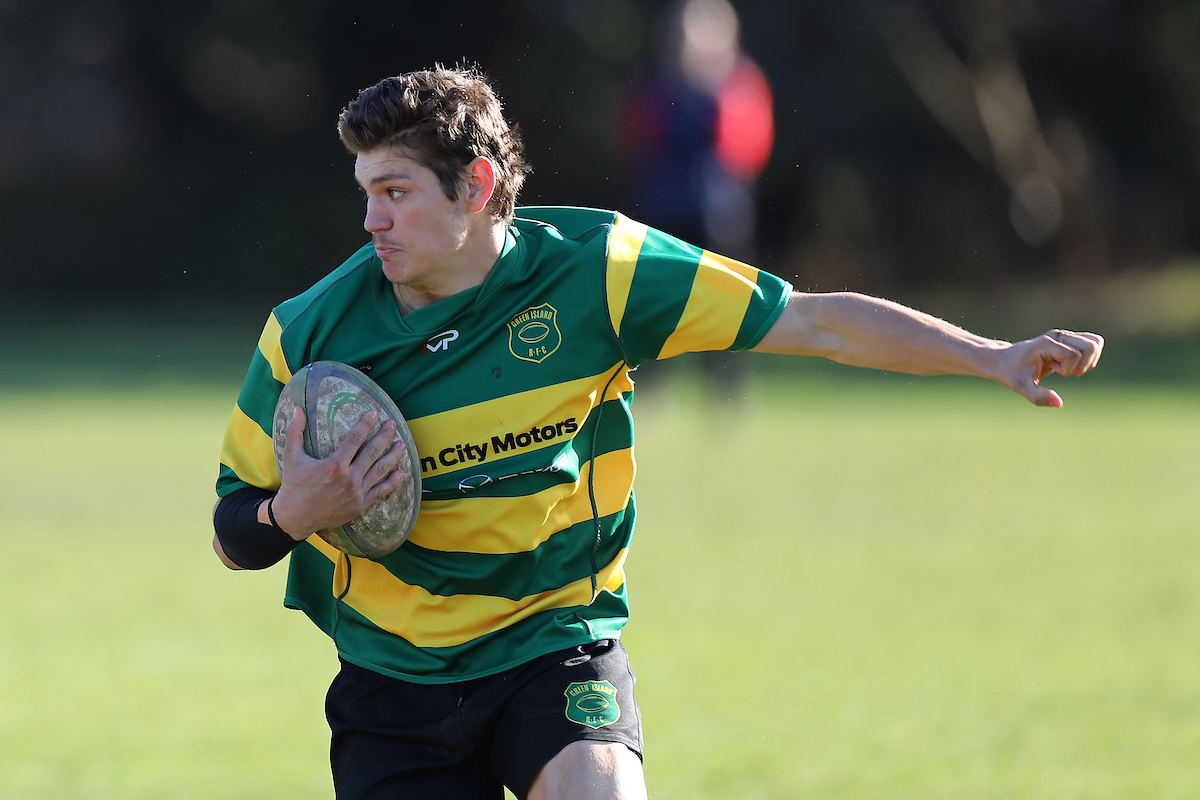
(869,332)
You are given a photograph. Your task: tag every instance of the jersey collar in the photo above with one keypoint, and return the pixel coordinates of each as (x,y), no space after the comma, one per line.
(434,317)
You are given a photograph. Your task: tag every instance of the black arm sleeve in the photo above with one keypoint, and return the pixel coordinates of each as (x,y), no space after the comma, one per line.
(246,541)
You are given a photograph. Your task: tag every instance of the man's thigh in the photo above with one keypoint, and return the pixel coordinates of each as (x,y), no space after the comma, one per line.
(591,771)
(585,697)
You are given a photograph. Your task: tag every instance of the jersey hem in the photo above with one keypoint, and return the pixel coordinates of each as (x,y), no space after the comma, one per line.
(233,486)
(769,322)
(294,604)
(438,680)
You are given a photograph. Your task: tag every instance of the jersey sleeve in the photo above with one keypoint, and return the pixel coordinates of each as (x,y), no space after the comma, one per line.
(247,454)
(667,297)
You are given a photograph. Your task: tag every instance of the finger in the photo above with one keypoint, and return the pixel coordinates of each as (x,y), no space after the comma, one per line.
(355,437)
(376,459)
(1059,355)
(1090,346)
(1029,388)
(1098,344)
(385,487)
(382,452)
(386,465)
(293,437)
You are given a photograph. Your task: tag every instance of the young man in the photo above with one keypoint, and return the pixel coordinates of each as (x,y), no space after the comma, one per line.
(485,652)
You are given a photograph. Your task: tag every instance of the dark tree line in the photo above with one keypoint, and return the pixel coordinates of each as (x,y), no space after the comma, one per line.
(189,147)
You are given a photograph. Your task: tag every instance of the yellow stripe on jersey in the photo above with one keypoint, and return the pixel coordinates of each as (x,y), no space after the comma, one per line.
(429,620)
(516,413)
(271,347)
(624,246)
(708,323)
(616,572)
(249,452)
(498,525)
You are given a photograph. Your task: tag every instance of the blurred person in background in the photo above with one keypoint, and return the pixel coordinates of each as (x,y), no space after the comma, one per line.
(698,132)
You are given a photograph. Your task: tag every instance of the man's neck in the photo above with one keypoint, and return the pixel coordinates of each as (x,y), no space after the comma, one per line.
(476,262)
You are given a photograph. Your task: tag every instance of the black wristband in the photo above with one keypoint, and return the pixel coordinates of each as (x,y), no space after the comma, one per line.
(247,542)
(271,514)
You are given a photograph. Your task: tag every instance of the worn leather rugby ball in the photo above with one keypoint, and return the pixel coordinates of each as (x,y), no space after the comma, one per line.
(335,397)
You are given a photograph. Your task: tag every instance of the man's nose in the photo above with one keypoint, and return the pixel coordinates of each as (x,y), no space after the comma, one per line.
(375,221)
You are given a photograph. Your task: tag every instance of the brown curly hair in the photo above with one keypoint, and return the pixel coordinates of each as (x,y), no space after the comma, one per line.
(444,119)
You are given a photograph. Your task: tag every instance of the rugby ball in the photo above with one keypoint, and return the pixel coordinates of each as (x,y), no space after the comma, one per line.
(335,397)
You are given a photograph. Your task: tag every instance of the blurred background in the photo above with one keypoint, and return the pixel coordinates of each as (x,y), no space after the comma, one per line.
(925,588)
(948,150)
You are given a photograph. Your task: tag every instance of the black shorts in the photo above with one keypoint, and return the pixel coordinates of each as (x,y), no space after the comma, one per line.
(393,739)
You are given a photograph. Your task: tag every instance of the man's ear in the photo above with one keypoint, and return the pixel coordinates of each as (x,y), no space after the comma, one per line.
(481,183)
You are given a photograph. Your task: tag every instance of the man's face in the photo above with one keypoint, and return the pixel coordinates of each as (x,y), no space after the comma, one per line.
(418,232)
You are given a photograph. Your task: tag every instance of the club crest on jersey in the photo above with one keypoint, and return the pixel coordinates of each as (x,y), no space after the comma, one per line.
(533,335)
(441,341)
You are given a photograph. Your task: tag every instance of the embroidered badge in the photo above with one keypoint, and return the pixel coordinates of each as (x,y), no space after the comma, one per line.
(592,703)
(533,335)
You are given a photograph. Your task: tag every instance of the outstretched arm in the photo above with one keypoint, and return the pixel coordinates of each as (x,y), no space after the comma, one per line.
(869,332)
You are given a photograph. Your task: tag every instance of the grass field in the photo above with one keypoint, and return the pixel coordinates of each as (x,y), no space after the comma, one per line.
(841,589)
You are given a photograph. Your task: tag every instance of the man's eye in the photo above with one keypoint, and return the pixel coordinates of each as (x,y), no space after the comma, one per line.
(395,193)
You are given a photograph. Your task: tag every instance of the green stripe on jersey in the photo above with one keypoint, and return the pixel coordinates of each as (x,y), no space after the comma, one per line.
(228,482)
(256,405)
(360,641)
(666,268)
(755,325)
(554,564)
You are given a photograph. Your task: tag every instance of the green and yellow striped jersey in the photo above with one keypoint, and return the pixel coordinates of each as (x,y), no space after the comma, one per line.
(518,396)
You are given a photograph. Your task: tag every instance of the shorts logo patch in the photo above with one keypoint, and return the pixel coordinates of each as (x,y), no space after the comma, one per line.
(533,335)
(592,703)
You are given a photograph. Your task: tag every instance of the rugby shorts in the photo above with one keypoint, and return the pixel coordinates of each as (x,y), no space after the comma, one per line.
(464,741)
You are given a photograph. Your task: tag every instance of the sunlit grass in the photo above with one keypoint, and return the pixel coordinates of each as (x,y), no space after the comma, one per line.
(857,590)
(913,592)
(133,665)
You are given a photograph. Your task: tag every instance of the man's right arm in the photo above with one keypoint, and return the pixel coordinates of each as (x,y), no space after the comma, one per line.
(245,537)
(255,528)
(870,332)
(220,551)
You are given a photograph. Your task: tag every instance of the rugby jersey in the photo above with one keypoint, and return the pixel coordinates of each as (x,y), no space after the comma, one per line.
(518,396)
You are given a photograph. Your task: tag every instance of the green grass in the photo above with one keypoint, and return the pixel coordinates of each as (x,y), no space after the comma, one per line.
(914,592)
(853,589)
(133,665)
